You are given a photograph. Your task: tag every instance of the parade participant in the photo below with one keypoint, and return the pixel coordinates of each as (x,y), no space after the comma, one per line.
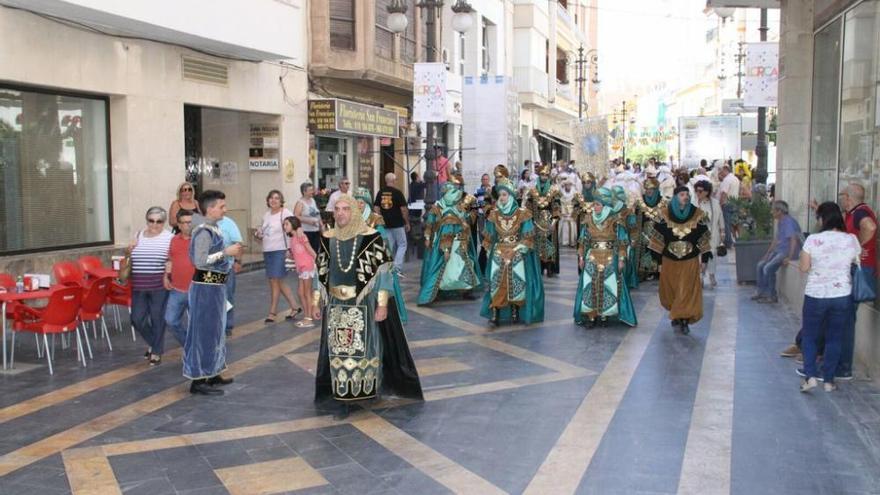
(568,225)
(450,265)
(363,348)
(589,186)
(649,207)
(667,181)
(376,221)
(543,201)
(516,291)
(204,350)
(681,237)
(602,249)
(629,219)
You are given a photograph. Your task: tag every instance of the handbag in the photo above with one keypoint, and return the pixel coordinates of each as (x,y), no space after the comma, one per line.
(125,264)
(862,286)
(721,251)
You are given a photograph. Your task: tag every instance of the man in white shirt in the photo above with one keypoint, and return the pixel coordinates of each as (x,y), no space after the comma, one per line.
(344,186)
(729,189)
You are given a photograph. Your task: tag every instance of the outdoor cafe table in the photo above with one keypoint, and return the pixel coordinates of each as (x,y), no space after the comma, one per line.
(10,297)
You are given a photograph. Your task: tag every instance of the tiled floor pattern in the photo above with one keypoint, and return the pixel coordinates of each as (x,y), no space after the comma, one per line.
(546,408)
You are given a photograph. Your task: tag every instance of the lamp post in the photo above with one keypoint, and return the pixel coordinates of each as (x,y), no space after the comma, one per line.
(397,23)
(591,58)
(623,122)
(761,145)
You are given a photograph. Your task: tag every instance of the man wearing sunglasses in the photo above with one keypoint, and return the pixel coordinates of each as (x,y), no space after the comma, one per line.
(344,186)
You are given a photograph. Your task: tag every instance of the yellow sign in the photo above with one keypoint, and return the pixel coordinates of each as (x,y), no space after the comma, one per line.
(336,115)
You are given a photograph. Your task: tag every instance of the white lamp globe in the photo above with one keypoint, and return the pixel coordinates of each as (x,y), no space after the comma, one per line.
(462,22)
(724,12)
(397,22)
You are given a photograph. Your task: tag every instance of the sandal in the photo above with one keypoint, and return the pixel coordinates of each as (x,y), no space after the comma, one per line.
(304,324)
(293,314)
(155,359)
(270,318)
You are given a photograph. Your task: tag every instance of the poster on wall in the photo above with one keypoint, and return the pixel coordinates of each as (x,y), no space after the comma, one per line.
(263,151)
(710,138)
(761,75)
(365,169)
(429,92)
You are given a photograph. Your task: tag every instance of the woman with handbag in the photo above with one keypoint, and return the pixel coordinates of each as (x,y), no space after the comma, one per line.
(149,254)
(712,208)
(827,259)
(271,232)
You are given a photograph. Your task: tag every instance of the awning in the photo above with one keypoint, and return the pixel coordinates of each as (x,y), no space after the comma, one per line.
(554,139)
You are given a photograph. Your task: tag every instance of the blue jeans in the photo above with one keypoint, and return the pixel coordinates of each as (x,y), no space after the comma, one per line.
(230,296)
(767,274)
(175,309)
(829,317)
(727,214)
(398,245)
(148,317)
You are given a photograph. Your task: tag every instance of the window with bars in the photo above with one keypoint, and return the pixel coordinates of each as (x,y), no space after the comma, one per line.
(54,171)
(384,46)
(342,32)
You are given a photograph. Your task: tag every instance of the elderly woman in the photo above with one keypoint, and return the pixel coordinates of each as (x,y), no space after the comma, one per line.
(149,253)
(712,208)
(306,210)
(186,200)
(271,232)
(826,258)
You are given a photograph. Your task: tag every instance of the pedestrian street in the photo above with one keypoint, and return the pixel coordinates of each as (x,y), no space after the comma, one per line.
(546,408)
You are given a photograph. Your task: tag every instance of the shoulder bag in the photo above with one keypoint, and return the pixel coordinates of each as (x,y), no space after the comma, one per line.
(862,287)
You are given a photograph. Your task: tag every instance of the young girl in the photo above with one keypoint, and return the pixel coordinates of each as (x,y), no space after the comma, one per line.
(304,256)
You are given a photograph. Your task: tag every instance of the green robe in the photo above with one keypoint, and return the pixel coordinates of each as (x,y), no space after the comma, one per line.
(450,263)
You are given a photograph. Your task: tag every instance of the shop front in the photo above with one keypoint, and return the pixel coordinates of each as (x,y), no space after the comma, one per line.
(552,148)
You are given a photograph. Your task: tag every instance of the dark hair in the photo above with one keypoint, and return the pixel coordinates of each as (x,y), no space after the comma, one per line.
(704,185)
(413,176)
(828,214)
(208,198)
(485,175)
(704,162)
(302,187)
(274,191)
(183,212)
(524,175)
(294,224)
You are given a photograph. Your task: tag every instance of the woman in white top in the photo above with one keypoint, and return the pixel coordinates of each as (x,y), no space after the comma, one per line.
(704,201)
(827,258)
(306,210)
(149,253)
(271,232)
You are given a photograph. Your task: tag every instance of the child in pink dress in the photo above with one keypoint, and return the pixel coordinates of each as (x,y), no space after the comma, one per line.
(304,256)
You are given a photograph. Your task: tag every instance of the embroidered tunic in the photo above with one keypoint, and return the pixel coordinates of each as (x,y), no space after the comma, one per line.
(451,260)
(648,262)
(543,201)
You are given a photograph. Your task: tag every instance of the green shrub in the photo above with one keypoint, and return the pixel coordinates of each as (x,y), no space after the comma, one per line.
(752,218)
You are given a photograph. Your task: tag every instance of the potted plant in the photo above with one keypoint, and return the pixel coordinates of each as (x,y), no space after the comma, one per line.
(753,222)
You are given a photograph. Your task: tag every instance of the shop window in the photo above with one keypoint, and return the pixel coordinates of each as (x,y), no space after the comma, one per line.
(54,171)
(823,149)
(384,46)
(342,32)
(408,39)
(332,161)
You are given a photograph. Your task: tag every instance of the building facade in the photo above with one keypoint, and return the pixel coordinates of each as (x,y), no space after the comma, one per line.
(106,107)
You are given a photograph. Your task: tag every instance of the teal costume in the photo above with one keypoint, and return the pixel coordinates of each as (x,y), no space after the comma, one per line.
(450,265)
(630,221)
(516,291)
(602,293)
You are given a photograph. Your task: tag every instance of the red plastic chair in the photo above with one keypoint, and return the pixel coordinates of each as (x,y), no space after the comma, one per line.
(92,309)
(60,316)
(120,295)
(89,263)
(67,273)
(7,281)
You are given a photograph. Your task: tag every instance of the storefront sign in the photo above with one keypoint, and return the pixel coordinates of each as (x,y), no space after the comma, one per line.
(334,115)
(762,75)
(366,173)
(263,151)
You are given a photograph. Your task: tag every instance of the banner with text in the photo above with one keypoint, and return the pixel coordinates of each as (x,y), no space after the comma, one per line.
(761,75)
(429,92)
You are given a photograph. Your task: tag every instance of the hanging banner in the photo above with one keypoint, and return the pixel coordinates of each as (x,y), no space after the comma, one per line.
(429,92)
(591,146)
(761,75)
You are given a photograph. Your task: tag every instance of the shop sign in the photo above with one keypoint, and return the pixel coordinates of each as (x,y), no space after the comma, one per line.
(334,115)
(366,174)
(263,150)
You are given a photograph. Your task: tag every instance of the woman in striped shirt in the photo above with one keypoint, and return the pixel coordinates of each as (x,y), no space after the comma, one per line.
(149,253)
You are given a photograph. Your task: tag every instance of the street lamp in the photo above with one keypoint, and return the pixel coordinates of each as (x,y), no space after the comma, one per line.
(397,23)
(724,12)
(591,58)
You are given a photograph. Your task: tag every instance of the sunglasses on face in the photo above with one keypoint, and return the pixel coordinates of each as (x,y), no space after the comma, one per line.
(155,221)
(186,189)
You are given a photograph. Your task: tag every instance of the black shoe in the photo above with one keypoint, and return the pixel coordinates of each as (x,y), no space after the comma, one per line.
(685,328)
(514,314)
(201,387)
(468,296)
(219,380)
(676,323)
(591,324)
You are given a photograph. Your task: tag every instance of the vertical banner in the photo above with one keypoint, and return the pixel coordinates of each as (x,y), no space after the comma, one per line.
(429,92)
(365,169)
(761,75)
(591,146)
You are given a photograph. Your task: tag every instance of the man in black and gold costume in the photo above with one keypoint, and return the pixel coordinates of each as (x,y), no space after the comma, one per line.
(363,346)
(544,202)
(681,236)
(650,205)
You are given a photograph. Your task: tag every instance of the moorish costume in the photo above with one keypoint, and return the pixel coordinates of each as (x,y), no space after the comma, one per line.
(543,201)
(359,356)
(681,236)
(204,350)
(450,265)
(516,291)
(649,208)
(603,244)
(629,219)
(568,224)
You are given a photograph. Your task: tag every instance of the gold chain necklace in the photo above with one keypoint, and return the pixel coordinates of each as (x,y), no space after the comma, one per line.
(339,256)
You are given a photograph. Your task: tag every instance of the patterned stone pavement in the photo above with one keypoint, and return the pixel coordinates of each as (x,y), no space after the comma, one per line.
(550,408)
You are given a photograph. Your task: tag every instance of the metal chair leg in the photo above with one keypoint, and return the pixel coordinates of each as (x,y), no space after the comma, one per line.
(48,353)
(39,347)
(106,333)
(79,348)
(53,347)
(133,335)
(85,333)
(12,351)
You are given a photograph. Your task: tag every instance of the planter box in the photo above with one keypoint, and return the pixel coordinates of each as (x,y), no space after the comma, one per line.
(748,253)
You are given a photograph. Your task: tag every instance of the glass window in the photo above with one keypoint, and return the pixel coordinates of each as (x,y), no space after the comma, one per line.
(54,171)
(823,151)
(332,161)
(384,46)
(342,24)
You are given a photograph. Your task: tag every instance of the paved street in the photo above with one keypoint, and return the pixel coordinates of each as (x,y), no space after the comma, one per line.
(553,408)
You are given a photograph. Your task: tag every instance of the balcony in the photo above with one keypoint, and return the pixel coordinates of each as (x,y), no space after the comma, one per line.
(254,30)
(531,83)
